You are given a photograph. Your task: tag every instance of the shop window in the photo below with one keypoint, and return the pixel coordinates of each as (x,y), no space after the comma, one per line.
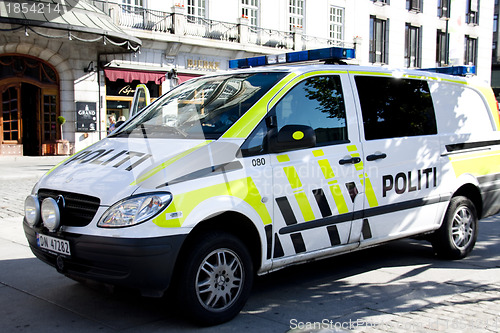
(10,115)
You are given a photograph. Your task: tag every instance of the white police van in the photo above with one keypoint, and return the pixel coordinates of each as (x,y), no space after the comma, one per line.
(246,172)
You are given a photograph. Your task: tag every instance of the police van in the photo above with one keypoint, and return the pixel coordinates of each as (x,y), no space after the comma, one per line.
(246,172)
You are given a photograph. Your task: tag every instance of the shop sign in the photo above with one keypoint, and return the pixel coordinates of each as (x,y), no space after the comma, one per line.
(86,117)
(203,65)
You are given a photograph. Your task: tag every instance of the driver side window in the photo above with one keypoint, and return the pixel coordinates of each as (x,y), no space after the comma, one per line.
(317,102)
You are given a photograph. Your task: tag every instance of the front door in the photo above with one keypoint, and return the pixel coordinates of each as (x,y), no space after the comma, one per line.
(315,189)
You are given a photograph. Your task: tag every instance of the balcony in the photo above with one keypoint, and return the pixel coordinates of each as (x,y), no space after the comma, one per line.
(179,23)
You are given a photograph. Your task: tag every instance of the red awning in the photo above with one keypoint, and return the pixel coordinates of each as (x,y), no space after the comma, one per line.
(131,75)
(184,77)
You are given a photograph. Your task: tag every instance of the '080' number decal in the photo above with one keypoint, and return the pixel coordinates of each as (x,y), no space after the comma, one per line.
(258,162)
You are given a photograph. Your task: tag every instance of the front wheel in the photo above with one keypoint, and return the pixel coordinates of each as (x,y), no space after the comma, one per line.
(215,279)
(457,236)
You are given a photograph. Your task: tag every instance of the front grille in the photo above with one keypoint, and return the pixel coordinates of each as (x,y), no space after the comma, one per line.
(79,209)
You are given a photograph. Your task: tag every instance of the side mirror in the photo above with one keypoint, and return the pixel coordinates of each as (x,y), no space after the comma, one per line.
(291,137)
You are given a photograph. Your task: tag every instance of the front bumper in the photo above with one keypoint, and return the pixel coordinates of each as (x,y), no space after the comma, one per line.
(145,264)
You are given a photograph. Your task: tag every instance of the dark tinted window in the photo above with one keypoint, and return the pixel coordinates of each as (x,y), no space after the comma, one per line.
(317,102)
(394,107)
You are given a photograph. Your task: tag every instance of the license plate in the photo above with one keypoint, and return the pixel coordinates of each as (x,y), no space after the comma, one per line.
(53,244)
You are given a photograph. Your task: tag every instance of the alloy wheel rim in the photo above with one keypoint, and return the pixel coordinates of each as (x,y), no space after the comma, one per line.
(462,229)
(219,279)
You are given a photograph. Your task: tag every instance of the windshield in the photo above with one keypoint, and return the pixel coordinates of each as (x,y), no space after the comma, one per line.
(200,109)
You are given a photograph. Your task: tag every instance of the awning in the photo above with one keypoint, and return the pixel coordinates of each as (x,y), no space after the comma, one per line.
(131,75)
(184,77)
(79,19)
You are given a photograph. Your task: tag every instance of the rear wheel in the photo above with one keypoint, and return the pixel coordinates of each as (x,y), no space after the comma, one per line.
(215,279)
(457,236)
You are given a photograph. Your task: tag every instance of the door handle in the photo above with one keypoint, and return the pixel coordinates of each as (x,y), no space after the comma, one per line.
(374,157)
(352,160)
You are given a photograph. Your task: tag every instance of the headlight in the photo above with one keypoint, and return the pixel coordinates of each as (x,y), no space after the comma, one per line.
(32,210)
(51,214)
(134,210)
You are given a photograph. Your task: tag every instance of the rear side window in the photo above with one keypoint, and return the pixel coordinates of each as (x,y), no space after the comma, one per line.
(394,107)
(461,110)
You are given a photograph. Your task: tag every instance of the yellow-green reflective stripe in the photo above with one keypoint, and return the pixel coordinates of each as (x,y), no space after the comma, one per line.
(370,193)
(318,153)
(352,148)
(247,122)
(326,168)
(244,189)
(283,158)
(304,206)
(293,177)
(477,164)
(162,166)
(339,199)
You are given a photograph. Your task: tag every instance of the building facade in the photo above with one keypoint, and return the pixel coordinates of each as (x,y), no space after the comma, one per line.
(89,75)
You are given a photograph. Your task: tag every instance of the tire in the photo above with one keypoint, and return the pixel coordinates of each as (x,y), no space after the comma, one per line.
(215,279)
(457,235)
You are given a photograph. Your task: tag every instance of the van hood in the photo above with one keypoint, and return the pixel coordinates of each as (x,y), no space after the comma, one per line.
(115,168)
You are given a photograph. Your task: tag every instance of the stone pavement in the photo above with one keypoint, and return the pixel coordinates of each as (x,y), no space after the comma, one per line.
(397,287)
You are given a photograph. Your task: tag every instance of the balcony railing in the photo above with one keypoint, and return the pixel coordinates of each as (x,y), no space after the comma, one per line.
(271,38)
(135,17)
(145,19)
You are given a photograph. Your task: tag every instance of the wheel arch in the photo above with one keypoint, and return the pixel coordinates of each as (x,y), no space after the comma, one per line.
(231,222)
(471,192)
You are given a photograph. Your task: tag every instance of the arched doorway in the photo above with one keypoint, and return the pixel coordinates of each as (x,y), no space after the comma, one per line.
(29,105)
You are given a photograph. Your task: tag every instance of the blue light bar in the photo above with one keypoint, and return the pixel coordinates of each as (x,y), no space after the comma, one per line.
(329,53)
(453,70)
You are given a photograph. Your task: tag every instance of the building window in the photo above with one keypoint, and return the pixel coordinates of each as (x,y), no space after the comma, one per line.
(195,10)
(378,40)
(495,23)
(337,24)
(414,5)
(250,9)
(412,46)
(472,11)
(296,14)
(441,49)
(382,2)
(132,6)
(443,8)
(470,51)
